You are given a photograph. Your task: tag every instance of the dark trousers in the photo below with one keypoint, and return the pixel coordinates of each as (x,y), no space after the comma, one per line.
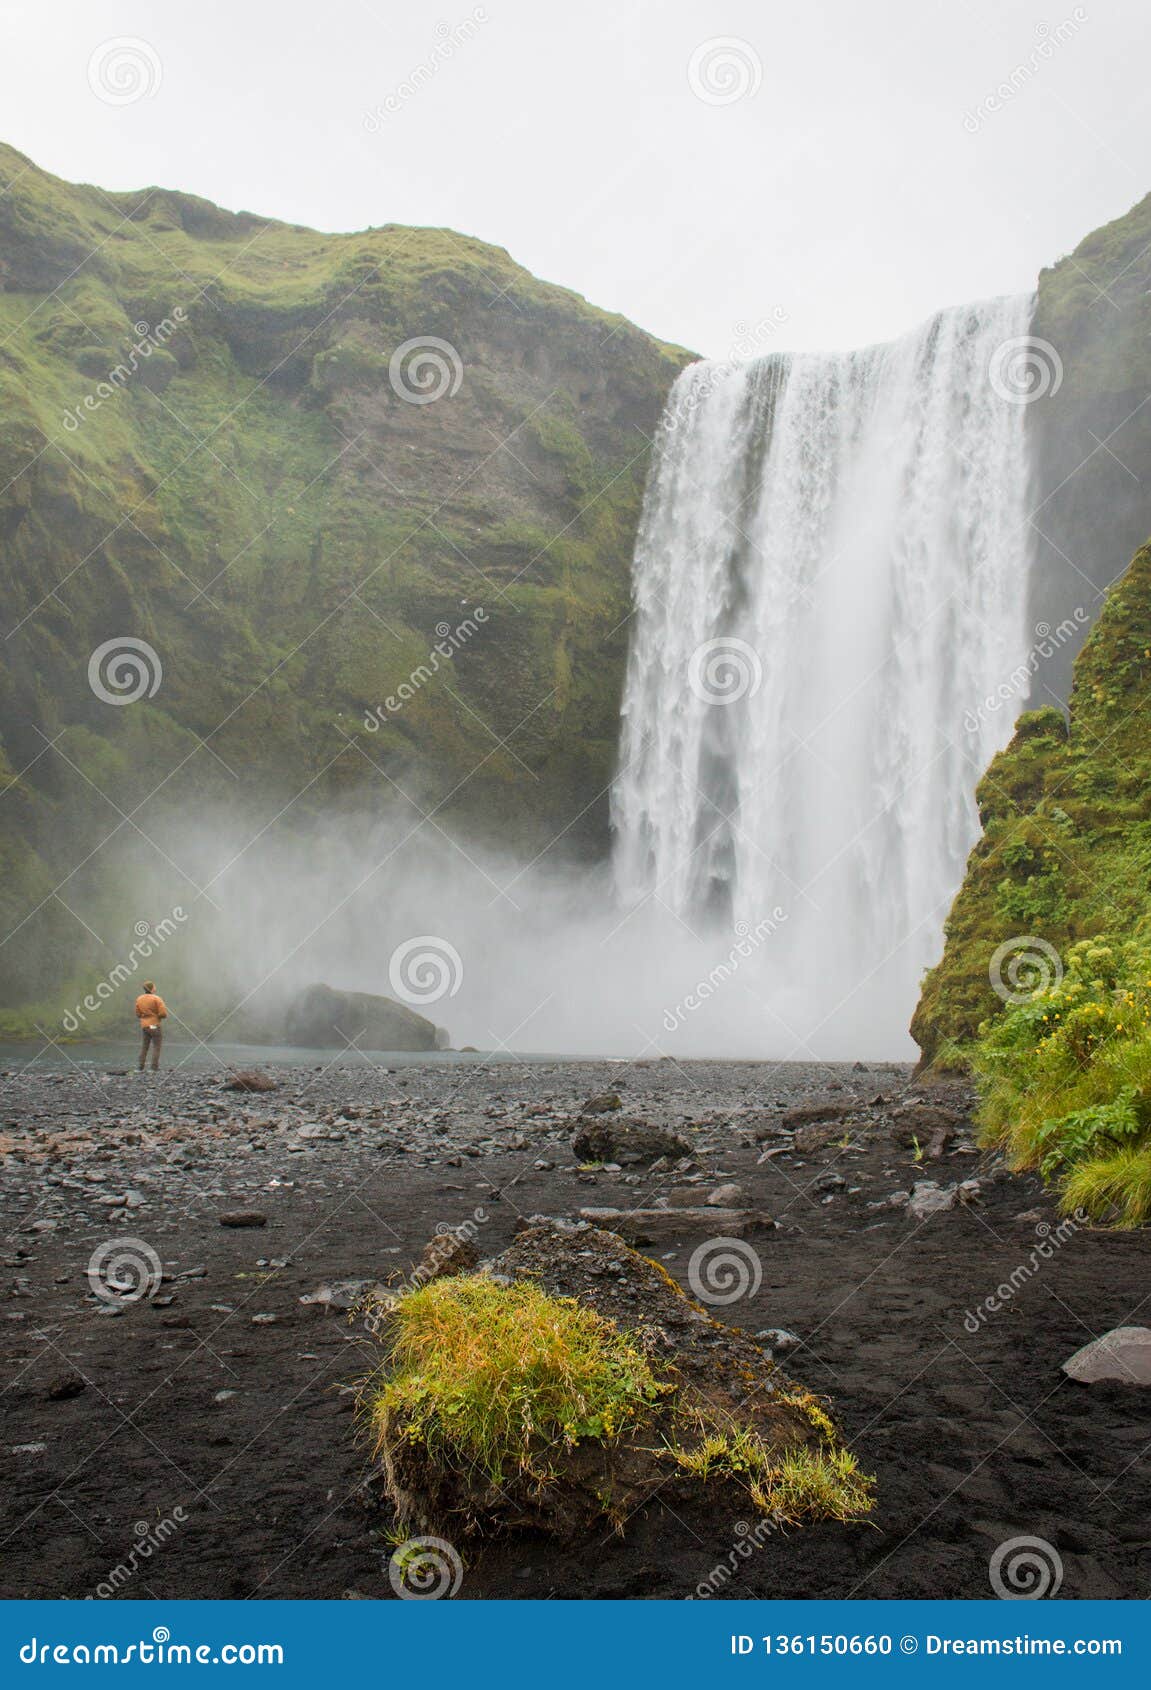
(153,1037)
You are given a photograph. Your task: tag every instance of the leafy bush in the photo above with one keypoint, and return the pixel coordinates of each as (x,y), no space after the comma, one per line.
(1066,1080)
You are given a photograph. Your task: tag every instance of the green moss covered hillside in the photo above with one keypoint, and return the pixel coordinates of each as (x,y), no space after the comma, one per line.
(216,439)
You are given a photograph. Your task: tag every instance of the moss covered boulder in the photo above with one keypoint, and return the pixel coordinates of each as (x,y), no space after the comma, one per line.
(572,1383)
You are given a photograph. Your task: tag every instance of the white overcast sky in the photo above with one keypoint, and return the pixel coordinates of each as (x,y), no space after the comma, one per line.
(845,190)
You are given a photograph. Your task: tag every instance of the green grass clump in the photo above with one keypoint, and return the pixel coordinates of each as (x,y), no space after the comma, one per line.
(794,1485)
(1115,1187)
(1065,1079)
(493,1374)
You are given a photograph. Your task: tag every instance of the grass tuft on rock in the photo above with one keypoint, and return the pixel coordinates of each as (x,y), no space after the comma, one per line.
(494,1374)
(794,1485)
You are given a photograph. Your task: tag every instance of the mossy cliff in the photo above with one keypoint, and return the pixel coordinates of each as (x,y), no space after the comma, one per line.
(1066,811)
(206,444)
(1091,436)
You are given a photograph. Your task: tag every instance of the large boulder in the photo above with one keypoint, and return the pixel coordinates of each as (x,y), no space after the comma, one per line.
(321,1016)
(1123,1354)
(721,1430)
(626,1140)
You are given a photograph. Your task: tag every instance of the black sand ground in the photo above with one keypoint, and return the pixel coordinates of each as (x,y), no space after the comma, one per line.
(975,1437)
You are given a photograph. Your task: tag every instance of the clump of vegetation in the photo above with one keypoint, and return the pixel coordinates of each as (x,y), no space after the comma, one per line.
(1066,1080)
(497,1374)
(792,1484)
(504,1385)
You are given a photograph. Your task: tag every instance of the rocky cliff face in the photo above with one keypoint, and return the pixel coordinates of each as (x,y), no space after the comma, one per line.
(1092,431)
(368,501)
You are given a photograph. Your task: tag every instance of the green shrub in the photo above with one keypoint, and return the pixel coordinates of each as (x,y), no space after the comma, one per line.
(1065,1080)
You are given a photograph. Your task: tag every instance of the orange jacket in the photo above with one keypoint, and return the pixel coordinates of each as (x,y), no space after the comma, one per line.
(151,1009)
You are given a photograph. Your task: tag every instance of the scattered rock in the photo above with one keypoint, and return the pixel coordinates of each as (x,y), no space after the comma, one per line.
(816,1137)
(1123,1354)
(777,1339)
(929,1198)
(627,1141)
(725,1197)
(657,1226)
(65,1386)
(606,1103)
(250,1079)
(815,1111)
(243,1217)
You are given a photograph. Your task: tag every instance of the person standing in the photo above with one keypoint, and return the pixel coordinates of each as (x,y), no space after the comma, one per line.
(151,1012)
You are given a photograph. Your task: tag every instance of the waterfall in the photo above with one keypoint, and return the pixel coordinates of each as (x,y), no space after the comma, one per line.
(830,586)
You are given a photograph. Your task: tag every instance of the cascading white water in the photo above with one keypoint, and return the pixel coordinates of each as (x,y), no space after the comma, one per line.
(830,580)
